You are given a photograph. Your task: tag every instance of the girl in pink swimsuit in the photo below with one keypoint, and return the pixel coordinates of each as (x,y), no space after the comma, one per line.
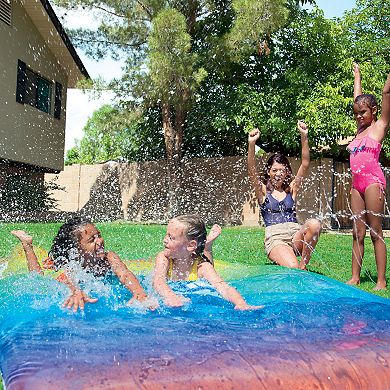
(368,180)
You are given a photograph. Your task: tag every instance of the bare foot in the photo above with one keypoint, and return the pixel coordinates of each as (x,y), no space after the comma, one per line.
(215,231)
(353,282)
(380,286)
(22,236)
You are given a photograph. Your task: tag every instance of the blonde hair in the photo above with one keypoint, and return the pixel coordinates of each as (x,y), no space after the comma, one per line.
(195,229)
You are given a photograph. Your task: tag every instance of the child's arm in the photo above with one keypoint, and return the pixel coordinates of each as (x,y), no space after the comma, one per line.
(27,244)
(207,271)
(126,277)
(357,82)
(161,286)
(384,121)
(305,157)
(253,136)
(78,298)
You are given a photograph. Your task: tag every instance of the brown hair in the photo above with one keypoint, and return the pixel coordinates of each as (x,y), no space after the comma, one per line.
(281,159)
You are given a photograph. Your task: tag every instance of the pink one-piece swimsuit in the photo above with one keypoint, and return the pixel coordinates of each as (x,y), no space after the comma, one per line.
(364,162)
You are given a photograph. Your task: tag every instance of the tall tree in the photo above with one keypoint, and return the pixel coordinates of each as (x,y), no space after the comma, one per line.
(167,45)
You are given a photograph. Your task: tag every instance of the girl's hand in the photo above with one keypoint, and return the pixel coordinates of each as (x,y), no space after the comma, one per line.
(253,136)
(356,69)
(149,303)
(77,300)
(247,307)
(302,127)
(176,301)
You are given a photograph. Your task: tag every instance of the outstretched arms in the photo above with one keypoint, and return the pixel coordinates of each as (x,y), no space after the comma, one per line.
(126,277)
(207,271)
(254,179)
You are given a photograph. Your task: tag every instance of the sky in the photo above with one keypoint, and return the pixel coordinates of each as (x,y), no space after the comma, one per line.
(80,106)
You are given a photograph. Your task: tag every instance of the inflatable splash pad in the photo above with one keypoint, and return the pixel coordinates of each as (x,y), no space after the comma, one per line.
(313,333)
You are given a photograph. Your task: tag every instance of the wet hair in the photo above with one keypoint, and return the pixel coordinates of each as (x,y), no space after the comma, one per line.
(65,245)
(369,100)
(195,229)
(281,159)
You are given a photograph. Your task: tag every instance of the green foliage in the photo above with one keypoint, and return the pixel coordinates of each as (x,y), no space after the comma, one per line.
(114,133)
(332,256)
(27,192)
(204,58)
(172,64)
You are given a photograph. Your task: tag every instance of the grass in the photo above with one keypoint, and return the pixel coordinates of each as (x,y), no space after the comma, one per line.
(331,258)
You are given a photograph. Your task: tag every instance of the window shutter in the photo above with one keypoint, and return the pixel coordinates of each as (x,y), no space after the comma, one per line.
(21,82)
(5,11)
(57,100)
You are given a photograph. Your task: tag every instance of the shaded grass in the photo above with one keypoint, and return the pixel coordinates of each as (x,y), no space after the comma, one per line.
(332,257)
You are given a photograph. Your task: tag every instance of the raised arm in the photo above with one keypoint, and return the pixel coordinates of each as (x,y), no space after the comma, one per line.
(126,277)
(357,82)
(160,283)
(305,157)
(384,120)
(253,136)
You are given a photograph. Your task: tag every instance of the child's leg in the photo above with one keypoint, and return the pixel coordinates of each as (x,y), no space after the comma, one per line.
(306,240)
(215,231)
(26,240)
(358,207)
(283,255)
(375,202)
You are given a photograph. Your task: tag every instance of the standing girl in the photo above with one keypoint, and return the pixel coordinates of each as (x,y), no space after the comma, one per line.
(276,192)
(368,180)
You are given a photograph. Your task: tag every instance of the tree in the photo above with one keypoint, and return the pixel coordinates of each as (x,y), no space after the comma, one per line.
(166,52)
(113,133)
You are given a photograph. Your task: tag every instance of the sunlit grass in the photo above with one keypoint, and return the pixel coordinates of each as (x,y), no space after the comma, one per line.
(332,257)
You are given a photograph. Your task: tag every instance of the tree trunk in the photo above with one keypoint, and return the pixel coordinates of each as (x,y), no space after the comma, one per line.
(173,136)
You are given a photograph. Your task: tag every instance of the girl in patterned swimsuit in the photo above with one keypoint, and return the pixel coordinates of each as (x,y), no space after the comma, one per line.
(186,247)
(285,238)
(368,180)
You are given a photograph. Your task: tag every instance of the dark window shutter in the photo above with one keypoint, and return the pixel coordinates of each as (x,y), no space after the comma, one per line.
(21,82)
(57,100)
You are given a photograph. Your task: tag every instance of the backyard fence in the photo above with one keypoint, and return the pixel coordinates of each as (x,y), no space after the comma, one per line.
(216,188)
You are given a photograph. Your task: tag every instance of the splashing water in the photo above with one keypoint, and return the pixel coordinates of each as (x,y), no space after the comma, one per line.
(308,332)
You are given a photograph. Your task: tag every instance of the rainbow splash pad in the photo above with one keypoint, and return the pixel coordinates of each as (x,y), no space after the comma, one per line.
(313,333)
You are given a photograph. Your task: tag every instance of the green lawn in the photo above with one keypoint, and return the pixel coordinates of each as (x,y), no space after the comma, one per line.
(332,257)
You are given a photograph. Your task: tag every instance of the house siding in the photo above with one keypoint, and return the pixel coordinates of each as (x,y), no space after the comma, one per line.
(28,135)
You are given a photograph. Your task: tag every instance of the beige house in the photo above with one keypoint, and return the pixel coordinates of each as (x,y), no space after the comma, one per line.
(38,63)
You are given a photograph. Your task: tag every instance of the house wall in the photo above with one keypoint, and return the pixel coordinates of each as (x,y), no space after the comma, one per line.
(216,188)
(28,135)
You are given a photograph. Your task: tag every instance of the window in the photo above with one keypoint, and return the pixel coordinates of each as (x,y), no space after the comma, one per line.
(35,90)
(5,11)
(38,91)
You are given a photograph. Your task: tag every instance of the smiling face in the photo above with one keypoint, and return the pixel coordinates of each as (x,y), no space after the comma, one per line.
(91,243)
(364,115)
(277,174)
(176,244)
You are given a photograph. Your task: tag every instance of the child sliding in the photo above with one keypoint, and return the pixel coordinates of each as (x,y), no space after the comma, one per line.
(80,241)
(187,250)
